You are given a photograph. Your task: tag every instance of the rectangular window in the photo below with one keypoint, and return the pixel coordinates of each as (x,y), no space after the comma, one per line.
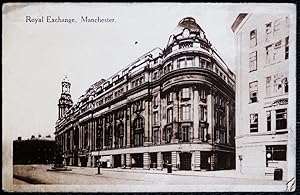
(189,62)
(280,84)
(155,136)
(155,101)
(155,118)
(253,38)
(286,55)
(253,89)
(169,115)
(268,87)
(185,134)
(203,113)
(253,61)
(281,119)
(168,135)
(253,123)
(181,63)
(186,93)
(276,153)
(203,96)
(185,112)
(169,98)
(268,120)
(268,31)
(269,54)
(202,63)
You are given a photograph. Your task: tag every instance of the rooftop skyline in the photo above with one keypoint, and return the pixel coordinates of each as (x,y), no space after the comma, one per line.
(89,52)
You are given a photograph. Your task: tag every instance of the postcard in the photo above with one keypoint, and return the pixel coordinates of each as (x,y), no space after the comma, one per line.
(149,97)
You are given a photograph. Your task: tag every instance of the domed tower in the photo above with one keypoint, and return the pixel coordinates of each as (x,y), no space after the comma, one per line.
(65,100)
(187,34)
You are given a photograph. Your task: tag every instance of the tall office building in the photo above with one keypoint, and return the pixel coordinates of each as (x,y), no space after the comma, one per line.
(173,105)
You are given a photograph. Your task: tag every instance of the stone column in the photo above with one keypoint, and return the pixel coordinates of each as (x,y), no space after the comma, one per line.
(79,136)
(159,161)
(197,63)
(147,128)
(150,120)
(227,122)
(89,163)
(213,161)
(210,116)
(197,160)
(128,122)
(89,133)
(163,120)
(111,161)
(103,132)
(71,146)
(128,161)
(65,141)
(174,160)
(196,116)
(123,160)
(113,131)
(191,130)
(146,161)
(273,120)
(193,161)
(178,160)
(125,127)
(95,134)
(175,116)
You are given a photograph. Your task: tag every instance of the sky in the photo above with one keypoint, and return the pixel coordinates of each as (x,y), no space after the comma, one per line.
(36,57)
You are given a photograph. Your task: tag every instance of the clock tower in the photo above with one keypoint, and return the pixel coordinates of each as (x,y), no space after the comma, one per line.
(65,100)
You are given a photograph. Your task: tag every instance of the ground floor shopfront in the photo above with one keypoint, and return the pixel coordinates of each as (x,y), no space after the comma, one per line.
(180,156)
(259,156)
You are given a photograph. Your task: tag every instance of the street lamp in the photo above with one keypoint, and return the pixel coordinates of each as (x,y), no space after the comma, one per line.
(99,163)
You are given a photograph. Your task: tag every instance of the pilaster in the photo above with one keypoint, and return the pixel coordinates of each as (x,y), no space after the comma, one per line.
(146,161)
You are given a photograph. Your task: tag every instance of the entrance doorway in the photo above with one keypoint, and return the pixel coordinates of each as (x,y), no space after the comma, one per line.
(166,159)
(83,161)
(117,160)
(153,160)
(137,160)
(185,161)
(205,165)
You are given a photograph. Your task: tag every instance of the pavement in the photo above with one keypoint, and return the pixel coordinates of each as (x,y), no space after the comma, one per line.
(38,174)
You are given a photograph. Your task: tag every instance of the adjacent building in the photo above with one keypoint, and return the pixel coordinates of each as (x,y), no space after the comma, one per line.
(37,150)
(262,93)
(174,105)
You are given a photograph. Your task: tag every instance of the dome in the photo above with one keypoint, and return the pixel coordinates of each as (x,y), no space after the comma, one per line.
(189,23)
(187,28)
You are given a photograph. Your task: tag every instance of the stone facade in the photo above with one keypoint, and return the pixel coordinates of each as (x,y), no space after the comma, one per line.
(174,106)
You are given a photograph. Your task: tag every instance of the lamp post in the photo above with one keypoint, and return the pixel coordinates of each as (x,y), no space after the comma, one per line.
(99,163)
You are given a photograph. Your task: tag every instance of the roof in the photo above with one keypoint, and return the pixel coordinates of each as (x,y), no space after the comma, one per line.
(238,21)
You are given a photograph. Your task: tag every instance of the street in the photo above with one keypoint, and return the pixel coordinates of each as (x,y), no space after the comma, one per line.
(38,174)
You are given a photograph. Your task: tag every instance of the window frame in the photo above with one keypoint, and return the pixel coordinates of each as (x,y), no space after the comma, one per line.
(253,61)
(283,119)
(253,91)
(253,38)
(253,124)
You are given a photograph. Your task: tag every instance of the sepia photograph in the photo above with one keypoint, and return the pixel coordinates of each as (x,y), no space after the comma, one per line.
(149,97)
